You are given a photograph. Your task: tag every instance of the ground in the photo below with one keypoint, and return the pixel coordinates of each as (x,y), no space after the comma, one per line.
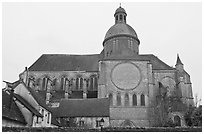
(156,129)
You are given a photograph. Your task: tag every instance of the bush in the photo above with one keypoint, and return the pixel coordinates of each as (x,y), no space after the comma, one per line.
(193,116)
(169,123)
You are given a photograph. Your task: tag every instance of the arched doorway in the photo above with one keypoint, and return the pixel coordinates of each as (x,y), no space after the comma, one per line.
(127,123)
(177,120)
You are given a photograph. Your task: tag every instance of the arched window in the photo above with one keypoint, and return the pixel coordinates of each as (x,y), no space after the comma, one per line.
(116,17)
(121,17)
(81,83)
(66,84)
(77,83)
(110,96)
(91,83)
(125,18)
(134,100)
(107,54)
(44,84)
(118,99)
(62,83)
(37,83)
(126,99)
(142,98)
(177,120)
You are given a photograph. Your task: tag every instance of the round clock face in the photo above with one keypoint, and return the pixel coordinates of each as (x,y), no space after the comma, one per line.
(126,76)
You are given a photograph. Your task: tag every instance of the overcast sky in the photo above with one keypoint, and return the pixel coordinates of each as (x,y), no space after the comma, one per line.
(164,29)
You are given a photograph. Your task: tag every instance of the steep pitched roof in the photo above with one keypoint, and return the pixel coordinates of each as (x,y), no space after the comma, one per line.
(11,111)
(83,108)
(178,61)
(37,96)
(27,105)
(63,62)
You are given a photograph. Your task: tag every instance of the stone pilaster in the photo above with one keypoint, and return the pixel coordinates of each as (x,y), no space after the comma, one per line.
(130,99)
(151,99)
(122,99)
(138,100)
(66,88)
(146,100)
(114,99)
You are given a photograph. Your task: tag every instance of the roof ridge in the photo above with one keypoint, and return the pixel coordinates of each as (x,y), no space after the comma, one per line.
(70,54)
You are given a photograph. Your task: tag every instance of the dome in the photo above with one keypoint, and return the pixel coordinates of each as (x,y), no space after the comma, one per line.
(120,10)
(120,29)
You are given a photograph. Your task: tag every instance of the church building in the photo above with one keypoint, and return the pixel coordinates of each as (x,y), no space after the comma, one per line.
(130,80)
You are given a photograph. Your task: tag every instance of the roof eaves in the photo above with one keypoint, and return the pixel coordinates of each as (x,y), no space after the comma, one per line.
(169,68)
(27,105)
(37,98)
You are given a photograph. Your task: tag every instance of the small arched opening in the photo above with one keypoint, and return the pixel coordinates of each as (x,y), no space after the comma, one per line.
(177,120)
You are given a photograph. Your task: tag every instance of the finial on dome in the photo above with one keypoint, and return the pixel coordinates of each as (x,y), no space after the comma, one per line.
(120,5)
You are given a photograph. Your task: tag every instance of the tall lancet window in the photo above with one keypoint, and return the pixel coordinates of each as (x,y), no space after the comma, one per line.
(142,100)
(121,17)
(77,83)
(44,84)
(81,83)
(110,96)
(62,83)
(118,99)
(126,99)
(93,83)
(134,100)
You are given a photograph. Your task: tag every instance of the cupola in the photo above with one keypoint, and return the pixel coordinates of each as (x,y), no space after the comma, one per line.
(121,39)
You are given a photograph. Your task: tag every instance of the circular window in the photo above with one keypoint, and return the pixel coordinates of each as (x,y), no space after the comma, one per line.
(126,76)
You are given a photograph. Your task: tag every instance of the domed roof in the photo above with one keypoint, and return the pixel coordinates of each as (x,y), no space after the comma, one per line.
(120,29)
(120,10)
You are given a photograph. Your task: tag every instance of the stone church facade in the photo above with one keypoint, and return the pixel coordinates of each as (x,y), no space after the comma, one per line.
(132,81)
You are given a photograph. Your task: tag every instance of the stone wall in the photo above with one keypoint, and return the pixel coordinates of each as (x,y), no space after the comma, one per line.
(91,122)
(118,114)
(58,78)
(121,46)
